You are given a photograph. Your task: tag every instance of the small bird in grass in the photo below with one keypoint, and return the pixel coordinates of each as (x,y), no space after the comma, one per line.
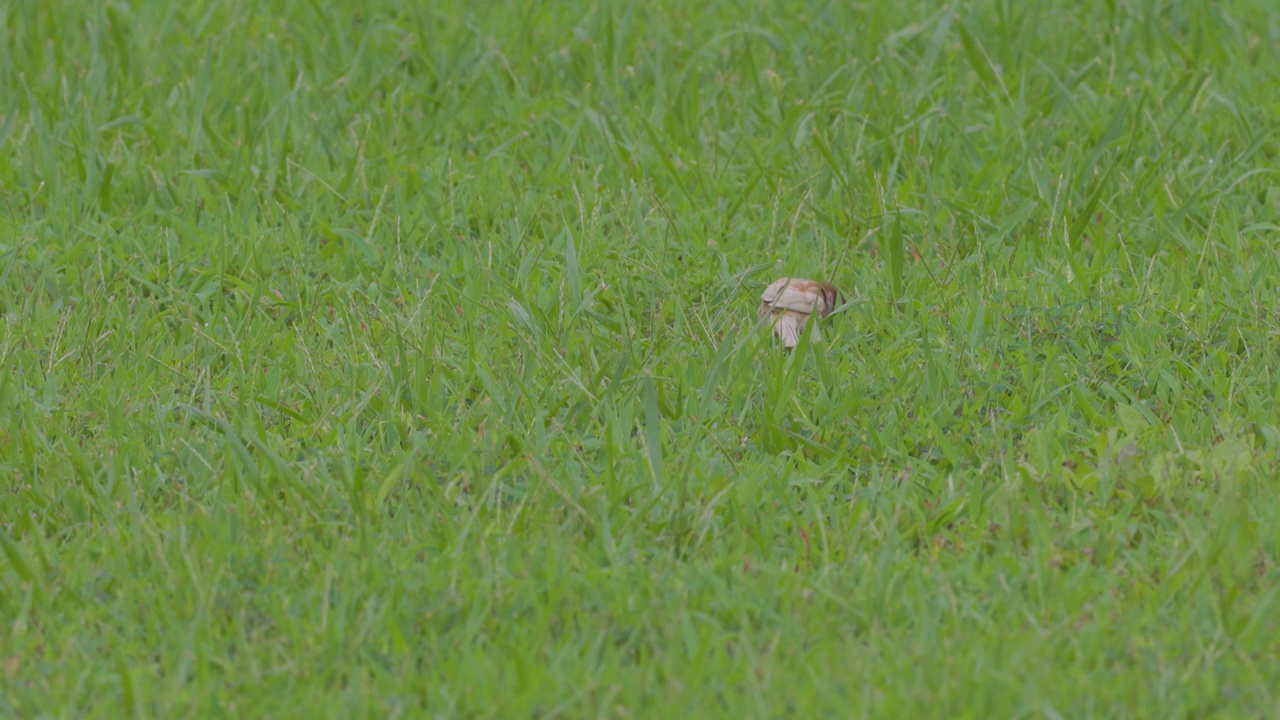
(790,301)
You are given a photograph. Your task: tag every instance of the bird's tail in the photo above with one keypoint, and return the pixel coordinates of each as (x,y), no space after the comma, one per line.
(789,327)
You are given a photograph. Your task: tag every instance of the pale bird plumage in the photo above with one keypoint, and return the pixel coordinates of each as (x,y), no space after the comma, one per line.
(790,302)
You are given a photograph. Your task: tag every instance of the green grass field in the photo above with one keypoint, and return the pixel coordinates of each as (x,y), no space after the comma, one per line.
(395,359)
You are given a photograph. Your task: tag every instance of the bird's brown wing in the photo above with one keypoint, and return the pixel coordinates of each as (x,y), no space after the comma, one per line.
(793,294)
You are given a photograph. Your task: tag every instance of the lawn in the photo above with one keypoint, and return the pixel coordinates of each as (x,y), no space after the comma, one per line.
(396,359)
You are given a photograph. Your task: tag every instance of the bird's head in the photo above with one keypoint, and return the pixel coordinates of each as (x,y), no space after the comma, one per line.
(831,299)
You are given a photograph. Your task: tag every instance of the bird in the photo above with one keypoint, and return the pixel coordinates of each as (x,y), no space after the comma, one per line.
(790,302)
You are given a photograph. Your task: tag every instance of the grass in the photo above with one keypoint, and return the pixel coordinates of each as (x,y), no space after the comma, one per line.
(399,359)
